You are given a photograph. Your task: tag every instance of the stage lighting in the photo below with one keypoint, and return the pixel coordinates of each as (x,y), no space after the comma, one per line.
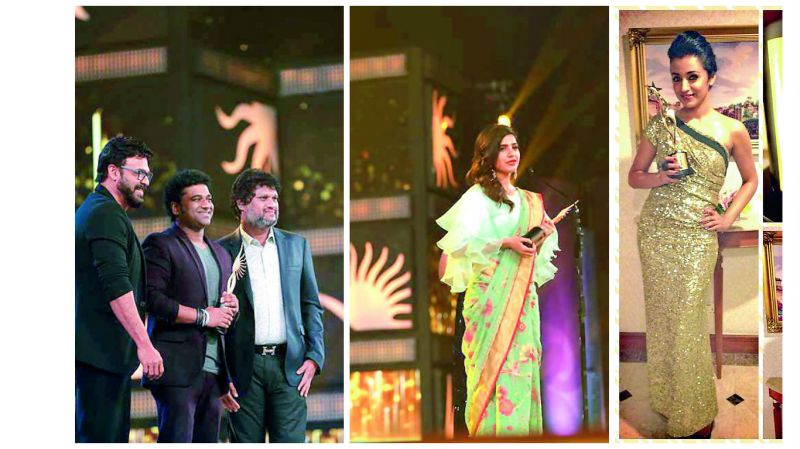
(504,120)
(97,140)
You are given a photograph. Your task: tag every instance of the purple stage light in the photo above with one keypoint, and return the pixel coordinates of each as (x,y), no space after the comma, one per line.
(561,352)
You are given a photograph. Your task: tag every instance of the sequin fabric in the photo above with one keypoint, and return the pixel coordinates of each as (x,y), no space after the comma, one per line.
(678,258)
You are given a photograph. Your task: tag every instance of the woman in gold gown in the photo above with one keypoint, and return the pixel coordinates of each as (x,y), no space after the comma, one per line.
(678,236)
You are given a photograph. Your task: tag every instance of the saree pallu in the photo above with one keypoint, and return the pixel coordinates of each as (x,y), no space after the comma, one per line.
(678,258)
(502,341)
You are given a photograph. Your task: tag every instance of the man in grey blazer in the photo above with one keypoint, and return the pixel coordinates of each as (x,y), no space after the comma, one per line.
(275,348)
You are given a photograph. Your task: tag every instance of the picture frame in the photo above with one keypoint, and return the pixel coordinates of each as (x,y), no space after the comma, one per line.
(773,273)
(641,40)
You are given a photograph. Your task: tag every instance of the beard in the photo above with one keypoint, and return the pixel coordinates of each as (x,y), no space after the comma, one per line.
(129,193)
(261,222)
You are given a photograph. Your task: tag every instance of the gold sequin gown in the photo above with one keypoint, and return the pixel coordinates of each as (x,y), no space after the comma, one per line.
(678,258)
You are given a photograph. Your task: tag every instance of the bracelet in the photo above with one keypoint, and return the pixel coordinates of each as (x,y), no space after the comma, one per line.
(202,317)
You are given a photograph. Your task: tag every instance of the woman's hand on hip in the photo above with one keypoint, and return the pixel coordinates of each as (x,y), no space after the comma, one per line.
(713,221)
(521,245)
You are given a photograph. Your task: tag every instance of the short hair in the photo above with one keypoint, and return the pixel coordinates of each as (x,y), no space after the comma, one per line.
(692,43)
(245,185)
(117,150)
(181,180)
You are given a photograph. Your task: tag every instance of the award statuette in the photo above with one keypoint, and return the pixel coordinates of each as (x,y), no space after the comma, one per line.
(237,271)
(667,115)
(536,233)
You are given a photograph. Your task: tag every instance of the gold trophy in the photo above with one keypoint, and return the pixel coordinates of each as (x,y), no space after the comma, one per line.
(536,233)
(237,271)
(667,115)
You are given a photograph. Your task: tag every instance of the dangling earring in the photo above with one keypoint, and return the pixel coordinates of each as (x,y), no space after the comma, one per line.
(494,175)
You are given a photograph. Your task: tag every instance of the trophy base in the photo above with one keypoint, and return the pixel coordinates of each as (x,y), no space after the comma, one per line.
(683,173)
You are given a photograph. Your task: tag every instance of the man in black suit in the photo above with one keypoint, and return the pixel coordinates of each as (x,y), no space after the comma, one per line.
(186,299)
(276,346)
(110,337)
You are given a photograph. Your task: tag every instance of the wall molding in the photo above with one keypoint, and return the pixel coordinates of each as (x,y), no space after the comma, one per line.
(747,344)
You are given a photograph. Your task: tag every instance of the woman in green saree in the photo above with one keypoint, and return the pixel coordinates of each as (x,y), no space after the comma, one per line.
(487,257)
(678,236)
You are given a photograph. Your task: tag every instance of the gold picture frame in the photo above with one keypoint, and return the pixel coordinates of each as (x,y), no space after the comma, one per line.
(772,294)
(639,38)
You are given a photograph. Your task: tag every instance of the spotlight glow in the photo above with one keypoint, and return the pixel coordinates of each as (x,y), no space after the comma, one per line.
(504,120)
(97,140)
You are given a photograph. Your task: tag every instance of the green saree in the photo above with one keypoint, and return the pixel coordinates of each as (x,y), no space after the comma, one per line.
(502,341)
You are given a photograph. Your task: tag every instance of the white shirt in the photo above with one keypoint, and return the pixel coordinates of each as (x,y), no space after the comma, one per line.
(263,268)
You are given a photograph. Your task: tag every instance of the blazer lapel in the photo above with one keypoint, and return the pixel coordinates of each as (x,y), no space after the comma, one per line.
(189,247)
(283,258)
(224,271)
(143,267)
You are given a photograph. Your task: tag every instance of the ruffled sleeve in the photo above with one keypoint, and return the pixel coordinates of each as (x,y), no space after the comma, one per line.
(544,269)
(469,242)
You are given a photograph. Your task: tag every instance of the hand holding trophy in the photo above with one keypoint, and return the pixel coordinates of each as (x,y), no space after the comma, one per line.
(670,121)
(537,235)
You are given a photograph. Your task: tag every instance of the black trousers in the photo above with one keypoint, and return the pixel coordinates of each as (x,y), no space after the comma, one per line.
(189,414)
(102,405)
(271,406)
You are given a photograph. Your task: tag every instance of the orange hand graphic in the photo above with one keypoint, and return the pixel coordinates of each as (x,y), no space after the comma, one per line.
(443,147)
(262,134)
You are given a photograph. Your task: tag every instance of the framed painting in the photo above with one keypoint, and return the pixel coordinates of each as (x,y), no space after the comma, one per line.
(773,279)
(736,89)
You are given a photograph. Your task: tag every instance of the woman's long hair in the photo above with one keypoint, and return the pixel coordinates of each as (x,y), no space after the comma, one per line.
(487,146)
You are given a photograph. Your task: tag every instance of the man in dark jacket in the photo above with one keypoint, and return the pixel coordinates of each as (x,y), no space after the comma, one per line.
(276,346)
(110,337)
(186,299)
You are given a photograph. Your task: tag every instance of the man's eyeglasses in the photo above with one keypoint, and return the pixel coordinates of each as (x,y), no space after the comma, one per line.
(140,174)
